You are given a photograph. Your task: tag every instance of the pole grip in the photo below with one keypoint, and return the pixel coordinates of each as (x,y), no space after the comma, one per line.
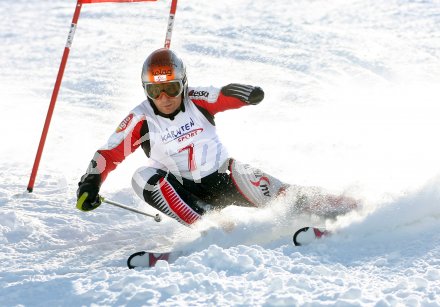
(81,201)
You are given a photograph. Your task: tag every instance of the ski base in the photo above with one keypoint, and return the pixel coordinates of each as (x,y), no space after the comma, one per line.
(149,259)
(307,235)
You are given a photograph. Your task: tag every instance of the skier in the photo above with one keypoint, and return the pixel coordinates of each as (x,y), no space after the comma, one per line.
(189,171)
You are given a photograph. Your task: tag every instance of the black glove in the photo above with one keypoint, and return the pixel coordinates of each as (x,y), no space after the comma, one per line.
(88,193)
(246,93)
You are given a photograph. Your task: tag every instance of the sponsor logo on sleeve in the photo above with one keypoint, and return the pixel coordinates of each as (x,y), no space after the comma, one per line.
(194,93)
(124,124)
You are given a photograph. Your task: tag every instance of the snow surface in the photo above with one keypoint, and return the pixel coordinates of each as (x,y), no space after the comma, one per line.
(352,105)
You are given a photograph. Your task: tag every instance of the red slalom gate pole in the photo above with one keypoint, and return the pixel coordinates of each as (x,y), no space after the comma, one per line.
(54,96)
(58,81)
(170,24)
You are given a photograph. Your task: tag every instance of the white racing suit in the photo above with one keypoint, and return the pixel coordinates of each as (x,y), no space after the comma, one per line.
(189,171)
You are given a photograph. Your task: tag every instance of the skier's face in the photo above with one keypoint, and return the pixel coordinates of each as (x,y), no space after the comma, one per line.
(166,104)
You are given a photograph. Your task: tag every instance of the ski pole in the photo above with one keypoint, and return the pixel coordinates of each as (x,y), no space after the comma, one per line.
(156,217)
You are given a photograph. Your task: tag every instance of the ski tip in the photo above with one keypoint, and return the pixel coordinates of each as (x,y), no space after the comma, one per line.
(298,233)
(129,260)
(307,235)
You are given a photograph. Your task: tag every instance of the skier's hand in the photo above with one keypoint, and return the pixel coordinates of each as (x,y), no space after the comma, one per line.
(246,93)
(88,197)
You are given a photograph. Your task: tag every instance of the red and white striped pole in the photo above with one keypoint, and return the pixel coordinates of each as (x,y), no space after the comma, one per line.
(170,24)
(53,100)
(57,86)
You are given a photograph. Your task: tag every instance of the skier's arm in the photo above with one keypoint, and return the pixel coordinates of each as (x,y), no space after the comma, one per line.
(231,96)
(127,138)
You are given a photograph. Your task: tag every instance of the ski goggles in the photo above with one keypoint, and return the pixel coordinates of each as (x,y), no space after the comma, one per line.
(171,89)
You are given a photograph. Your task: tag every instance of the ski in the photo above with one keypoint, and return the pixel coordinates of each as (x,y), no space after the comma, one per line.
(149,259)
(307,235)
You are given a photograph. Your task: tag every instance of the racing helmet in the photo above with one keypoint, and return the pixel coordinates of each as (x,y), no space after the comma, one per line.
(164,71)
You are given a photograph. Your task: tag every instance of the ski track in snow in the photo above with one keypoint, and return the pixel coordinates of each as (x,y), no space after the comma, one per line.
(352,103)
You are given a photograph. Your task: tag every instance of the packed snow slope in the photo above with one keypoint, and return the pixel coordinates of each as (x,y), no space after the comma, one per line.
(352,105)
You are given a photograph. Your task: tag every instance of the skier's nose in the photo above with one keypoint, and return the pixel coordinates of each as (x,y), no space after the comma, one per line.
(163,96)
